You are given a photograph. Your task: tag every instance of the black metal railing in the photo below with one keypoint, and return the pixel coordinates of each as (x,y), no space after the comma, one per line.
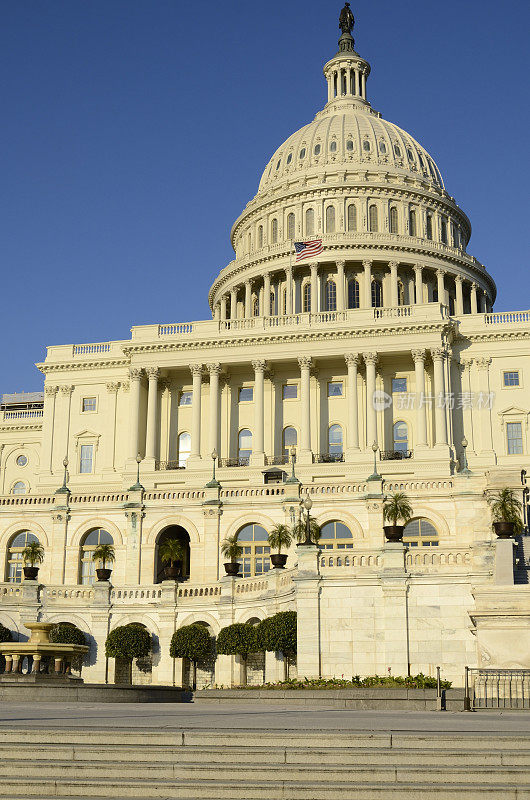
(271,461)
(395,455)
(169,465)
(497,688)
(328,458)
(234,462)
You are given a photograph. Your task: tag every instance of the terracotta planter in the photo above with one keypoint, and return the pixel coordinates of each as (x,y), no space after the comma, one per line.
(504,530)
(232,567)
(278,560)
(394,533)
(103,574)
(31,573)
(172,571)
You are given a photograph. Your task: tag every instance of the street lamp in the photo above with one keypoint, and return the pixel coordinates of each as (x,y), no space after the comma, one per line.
(308,503)
(137,486)
(214,483)
(375,475)
(465,468)
(292,478)
(64,488)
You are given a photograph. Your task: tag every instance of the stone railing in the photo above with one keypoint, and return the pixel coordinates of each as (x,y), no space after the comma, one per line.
(507,318)
(344,559)
(191,591)
(427,559)
(69,595)
(136,595)
(10,593)
(27,500)
(27,414)
(247,586)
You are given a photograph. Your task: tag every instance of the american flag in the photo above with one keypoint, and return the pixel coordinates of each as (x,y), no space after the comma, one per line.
(308,249)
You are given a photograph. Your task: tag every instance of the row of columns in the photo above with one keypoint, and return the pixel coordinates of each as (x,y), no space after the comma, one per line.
(479,301)
(305,363)
(347,80)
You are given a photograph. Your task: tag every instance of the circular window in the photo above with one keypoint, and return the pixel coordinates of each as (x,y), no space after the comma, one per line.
(349,145)
(22,461)
(366,146)
(333,147)
(302,152)
(289,158)
(317,149)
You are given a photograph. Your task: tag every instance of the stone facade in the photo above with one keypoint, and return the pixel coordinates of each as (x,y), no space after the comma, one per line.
(385,339)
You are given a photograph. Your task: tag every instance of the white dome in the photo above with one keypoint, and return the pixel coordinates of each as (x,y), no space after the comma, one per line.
(351,135)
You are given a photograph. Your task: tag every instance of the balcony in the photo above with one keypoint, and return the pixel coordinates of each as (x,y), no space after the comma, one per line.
(234,462)
(276,461)
(161,465)
(395,455)
(328,458)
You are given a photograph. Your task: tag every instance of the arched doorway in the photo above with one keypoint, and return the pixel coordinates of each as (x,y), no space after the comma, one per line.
(173,532)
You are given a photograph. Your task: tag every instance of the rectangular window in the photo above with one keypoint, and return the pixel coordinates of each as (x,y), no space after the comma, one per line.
(335,389)
(185,398)
(514,434)
(511,379)
(246,394)
(399,385)
(87,452)
(290,391)
(89,403)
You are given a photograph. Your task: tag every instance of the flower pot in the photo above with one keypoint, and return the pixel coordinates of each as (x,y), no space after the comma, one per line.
(394,533)
(103,574)
(232,567)
(278,560)
(504,530)
(172,571)
(31,573)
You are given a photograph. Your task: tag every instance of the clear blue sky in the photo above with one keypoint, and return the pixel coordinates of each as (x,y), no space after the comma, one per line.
(135,131)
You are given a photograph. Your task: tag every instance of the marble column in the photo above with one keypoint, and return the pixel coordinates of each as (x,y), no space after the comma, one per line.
(438,356)
(314,288)
(340,285)
(224,302)
(440,275)
(135,376)
(370,359)
(394,298)
(418,278)
(483,405)
(305,364)
(248,299)
(258,447)
(421,408)
(152,412)
(459,295)
(474,308)
(367,284)
(266,307)
(352,436)
(233,303)
(196,371)
(214,370)
(289,290)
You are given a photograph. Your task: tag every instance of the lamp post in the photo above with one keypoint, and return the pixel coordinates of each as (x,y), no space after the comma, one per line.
(465,468)
(137,486)
(214,483)
(375,476)
(292,478)
(64,488)
(308,503)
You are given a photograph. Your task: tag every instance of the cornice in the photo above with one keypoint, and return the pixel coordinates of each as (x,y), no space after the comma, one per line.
(31,426)
(495,337)
(80,365)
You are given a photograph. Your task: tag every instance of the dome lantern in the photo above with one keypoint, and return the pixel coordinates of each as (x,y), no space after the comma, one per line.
(347,72)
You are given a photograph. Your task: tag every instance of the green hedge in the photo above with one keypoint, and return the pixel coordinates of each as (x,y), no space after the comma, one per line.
(128,642)
(420,681)
(66,633)
(277,634)
(192,642)
(5,634)
(239,639)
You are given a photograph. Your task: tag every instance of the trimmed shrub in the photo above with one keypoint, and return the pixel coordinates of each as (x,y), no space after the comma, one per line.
(67,633)
(194,643)
(5,634)
(278,633)
(128,642)
(239,639)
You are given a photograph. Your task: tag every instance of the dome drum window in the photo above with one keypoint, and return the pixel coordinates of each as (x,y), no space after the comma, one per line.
(349,145)
(317,150)
(333,147)
(289,158)
(302,153)
(366,146)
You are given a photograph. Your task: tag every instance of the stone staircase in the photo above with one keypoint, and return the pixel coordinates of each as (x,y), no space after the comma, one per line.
(195,764)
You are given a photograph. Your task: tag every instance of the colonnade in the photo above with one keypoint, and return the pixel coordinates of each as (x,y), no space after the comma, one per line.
(405,282)
(370,360)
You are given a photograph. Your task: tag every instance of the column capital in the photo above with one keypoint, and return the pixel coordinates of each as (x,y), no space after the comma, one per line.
(164,384)
(440,272)
(352,359)
(419,355)
(66,389)
(213,368)
(483,363)
(152,373)
(459,279)
(51,391)
(196,369)
(474,286)
(340,264)
(305,362)
(438,353)
(465,363)
(259,366)
(394,264)
(370,358)
(418,269)
(112,387)
(314,267)
(135,373)
(367,263)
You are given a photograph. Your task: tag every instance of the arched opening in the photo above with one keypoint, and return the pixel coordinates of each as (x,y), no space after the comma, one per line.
(335,536)
(330,219)
(373,219)
(429,226)
(330,296)
(290,439)
(394,224)
(412,223)
(87,567)
(19,488)
(352,217)
(401,439)
(309,222)
(353,293)
(184,449)
(15,563)
(256,551)
(420,533)
(274,231)
(377,294)
(260,236)
(244,450)
(335,447)
(307,298)
(182,536)
(290,226)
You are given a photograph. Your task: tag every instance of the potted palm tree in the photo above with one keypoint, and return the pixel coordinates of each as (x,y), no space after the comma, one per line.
(506,511)
(396,508)
(280,536)
(32,554)
(104,554)
(172,554)
(232,550)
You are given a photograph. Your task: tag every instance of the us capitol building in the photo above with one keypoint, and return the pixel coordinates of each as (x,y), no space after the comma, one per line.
(374,361)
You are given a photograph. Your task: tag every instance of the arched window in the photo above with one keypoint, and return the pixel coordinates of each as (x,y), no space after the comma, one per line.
(401,438)
(394,223)
(14,555)
(352,217)
(87,568)
(335,536)
(181,535)
(366,146)
(255,306)
(19,488)
(382,147)
(330,219)
(256,551)
(443,230)
(290,439)
(260,236)
(397,150)
(420,533)
(333,147)
(290,226)
(377,294)
(353,293)
(184,449)
(306,304)
(373,222)
(317,150)
(309,222)
(331,296)
(274,231)
(429,226)
(412,222)
(349,144)
(244,446)
(272,304)
(335,441)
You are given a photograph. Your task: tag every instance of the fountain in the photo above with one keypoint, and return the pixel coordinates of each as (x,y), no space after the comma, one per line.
(51,662)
